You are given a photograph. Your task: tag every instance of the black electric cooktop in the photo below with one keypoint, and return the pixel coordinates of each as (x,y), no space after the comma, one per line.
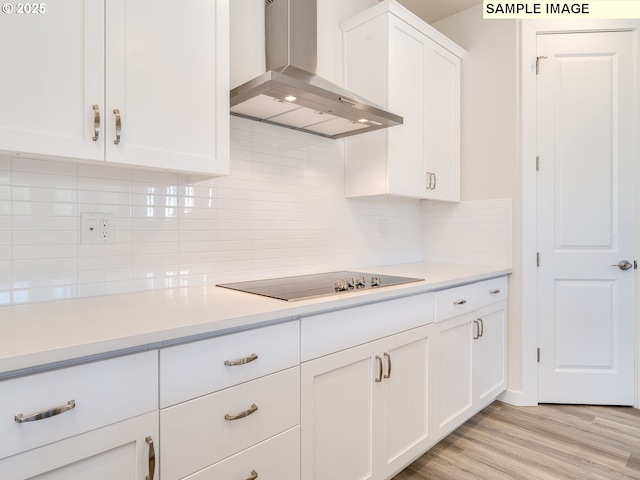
(303,287)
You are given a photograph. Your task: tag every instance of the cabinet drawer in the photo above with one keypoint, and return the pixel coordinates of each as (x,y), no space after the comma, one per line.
(195,369)
(456,301)
(104,392)
(492,291)
(334,331)
(276,458)
(196,434)
(115,452)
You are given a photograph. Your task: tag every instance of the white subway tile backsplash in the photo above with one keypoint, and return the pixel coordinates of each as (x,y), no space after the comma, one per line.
(282,211)
(5,164)
(471,232)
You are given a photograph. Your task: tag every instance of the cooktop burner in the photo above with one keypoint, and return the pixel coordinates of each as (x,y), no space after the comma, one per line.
(303,287)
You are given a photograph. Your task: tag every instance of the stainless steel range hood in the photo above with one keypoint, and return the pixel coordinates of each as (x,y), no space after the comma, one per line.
(290,93)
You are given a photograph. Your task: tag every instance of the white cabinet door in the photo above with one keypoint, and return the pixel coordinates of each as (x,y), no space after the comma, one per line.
(405,407)
(53,74)
(489,354)
(167,76)
(408,81)
(122,451)
(442,124)
(453,373)
(366,410)
(339,405)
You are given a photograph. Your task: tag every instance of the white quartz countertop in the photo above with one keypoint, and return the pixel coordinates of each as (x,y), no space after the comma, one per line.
(56,332)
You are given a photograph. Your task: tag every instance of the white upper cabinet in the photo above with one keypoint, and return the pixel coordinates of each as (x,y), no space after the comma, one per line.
(134,82)
(53,73)
(399,62)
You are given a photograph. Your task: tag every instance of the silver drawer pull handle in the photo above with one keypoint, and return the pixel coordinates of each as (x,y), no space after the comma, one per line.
(152,458)
(238,416)
(241,361)
(494,292)
(460,302)
(253,476)
(33,417)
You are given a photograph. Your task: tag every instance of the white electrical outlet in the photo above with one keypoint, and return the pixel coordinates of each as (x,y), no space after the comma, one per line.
(97,228)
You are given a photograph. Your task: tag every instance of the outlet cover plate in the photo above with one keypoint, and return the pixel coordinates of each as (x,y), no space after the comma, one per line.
(97,228)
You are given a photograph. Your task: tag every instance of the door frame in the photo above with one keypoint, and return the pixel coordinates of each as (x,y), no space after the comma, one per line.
(528,30)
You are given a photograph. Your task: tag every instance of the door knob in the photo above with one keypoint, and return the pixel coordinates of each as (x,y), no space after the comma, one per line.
(623,265)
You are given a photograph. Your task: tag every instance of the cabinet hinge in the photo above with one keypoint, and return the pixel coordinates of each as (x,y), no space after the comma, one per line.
(538,355)
(538,63)
(537,259)
(537,164)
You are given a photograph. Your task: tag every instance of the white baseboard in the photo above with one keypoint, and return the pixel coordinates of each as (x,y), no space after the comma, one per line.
(516,398)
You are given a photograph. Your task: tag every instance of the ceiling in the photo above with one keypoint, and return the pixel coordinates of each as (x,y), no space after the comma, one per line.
(433,10)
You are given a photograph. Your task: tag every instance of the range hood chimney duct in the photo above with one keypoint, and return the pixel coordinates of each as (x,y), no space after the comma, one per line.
(290,93)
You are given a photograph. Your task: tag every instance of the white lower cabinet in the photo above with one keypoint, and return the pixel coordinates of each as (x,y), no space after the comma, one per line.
(232,405)
(350,394)
(277,458)
(95,420)
(490,354)
(366,410)
(453,377)
(203,431)
(469,360)
(123,451)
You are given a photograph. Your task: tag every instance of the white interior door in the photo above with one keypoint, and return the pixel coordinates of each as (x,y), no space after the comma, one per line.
(586,192)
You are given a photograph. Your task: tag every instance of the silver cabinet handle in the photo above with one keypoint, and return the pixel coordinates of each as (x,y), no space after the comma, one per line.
(460,302)
(623,265)
(96,123)
(481,327)
(241,361)
(494,292)
(52,412)
(388,374)
(431,181)
(246,413)
(379,379)
(253,476)
(476,335)
(118,126)
(152,459)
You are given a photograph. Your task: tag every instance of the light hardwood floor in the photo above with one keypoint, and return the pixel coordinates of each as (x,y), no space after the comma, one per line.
(548,442)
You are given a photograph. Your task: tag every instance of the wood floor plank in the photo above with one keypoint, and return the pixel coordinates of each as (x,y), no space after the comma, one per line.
(548,442)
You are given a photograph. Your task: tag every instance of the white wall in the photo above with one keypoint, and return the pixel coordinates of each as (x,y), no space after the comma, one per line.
(490,158)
